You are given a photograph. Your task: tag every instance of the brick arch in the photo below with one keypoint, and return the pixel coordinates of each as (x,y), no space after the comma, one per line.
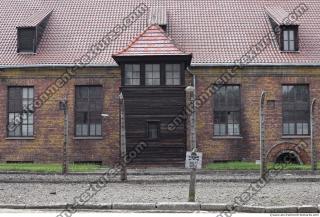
(297,149)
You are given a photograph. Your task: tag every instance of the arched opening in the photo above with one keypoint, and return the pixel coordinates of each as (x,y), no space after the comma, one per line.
(288,157)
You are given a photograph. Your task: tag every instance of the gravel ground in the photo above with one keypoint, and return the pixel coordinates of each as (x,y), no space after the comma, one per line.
(301,193)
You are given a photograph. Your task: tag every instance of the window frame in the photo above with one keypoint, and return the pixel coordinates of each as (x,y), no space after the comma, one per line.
(23,112)
(294,111)
(88,112)
(158,125)
(295,39)
(227,112)
(173,77)
(140,75)
(34,42)
(143,74)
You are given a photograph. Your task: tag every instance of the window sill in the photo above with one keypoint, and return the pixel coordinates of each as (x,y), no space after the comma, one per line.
(20,138)
(290,51)
(227,137)
(88,138)
(296,137)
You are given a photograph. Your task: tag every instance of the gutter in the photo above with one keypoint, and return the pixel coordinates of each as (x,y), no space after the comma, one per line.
(255,64)
(54,66)
(194,65)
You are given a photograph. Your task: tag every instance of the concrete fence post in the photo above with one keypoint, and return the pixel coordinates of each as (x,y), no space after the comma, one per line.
(263,163)
(123,147)
(313,146)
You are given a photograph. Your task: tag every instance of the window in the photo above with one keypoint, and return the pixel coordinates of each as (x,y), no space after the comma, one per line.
(296,109)
(26,39)
(289,38)
(132,74)
(20,111)
(152,74)
(153,129)
(89,101)
(227,111)
(173,73)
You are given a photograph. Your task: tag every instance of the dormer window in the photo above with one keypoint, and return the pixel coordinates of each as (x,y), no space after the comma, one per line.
(30,31)
(286,30)
(289,38)
(26,40)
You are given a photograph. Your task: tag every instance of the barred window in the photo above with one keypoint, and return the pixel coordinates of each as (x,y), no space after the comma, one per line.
(227,111)
(132,74)
(89,101)
(152,74)
(296,109)
(20,111)
(173,73)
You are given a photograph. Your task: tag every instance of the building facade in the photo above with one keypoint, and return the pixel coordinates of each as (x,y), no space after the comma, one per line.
(51,52)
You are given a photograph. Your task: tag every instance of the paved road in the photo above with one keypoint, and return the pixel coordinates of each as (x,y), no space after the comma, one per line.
(272,194)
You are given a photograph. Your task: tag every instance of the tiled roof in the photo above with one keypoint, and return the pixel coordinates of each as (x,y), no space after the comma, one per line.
(214,31)
(279,15)
(153,41)
(35,18)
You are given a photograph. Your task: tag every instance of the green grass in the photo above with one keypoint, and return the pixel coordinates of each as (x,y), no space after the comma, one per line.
(48,168)
(237,165)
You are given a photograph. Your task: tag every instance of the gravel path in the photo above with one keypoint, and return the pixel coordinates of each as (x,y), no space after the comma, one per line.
(272,194)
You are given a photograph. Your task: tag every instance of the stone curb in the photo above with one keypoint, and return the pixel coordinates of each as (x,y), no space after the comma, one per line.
(155,181)
(134,206)
(178,206)
(308,209)
(175,206)
(142,173)
(250,209)
(282,209)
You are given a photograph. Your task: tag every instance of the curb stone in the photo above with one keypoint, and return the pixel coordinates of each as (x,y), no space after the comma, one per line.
(282,209)
(96,206)
(51,206)
(174,206)
(178,206)
(308,209)
(12,206)
(250,209)
(213,207)
(134,206)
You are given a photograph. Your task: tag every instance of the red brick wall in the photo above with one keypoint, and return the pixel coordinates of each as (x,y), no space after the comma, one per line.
(48,133)
(48,139)
(253,81)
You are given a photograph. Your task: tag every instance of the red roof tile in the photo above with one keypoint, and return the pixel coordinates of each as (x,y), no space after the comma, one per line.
(279,15)
(35,18)
(214,31)
(153,41)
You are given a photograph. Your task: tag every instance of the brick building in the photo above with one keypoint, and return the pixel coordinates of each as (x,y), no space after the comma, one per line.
(91,51)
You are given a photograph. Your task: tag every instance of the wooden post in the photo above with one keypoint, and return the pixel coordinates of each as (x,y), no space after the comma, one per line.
(122,139)
(313,146)
(263,167)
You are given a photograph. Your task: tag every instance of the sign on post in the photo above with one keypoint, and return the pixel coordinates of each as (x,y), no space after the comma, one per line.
(193,160)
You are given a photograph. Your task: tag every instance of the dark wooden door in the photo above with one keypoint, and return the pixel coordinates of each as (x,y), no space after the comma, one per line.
(149,111)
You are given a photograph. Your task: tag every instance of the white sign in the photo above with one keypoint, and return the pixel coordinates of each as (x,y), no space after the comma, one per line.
(193,160)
